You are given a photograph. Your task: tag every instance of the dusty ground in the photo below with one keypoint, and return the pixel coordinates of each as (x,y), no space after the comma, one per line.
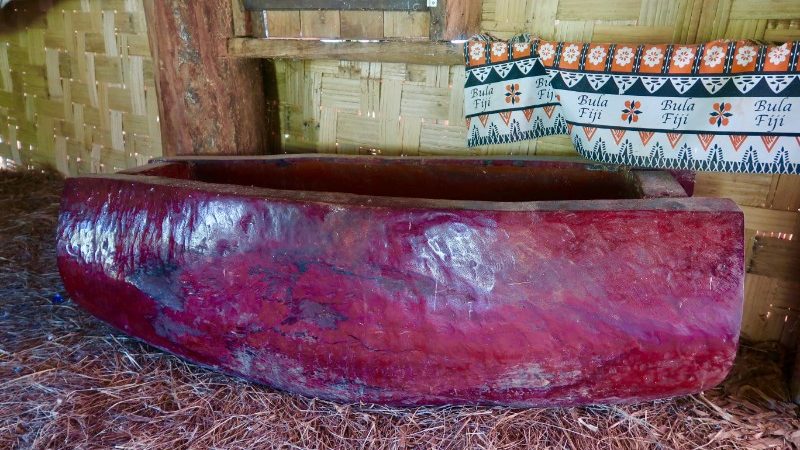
(68,381)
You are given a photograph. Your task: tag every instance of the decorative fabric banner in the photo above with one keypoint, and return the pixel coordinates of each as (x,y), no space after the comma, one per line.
(507,94)
(720,106)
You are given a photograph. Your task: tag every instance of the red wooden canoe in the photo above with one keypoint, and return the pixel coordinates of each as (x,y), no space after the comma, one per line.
(411,281)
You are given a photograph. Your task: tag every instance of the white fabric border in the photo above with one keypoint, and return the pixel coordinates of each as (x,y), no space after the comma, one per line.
(606,110)
(729,153)
(490,98)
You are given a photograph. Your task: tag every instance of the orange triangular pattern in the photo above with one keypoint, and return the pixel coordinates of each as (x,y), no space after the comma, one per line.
(469,122)
(705,140)
(549,110)
(674,138)
(646,136)
(569,128)
(528,113)
(589,132)
(618,133)
(769,141)
(506,116)
(483,118)
(736,140)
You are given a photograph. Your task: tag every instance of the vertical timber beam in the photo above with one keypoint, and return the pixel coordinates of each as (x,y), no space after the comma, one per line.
(452,19)
(257,27)
(795,378)
(241,19)
(208,103)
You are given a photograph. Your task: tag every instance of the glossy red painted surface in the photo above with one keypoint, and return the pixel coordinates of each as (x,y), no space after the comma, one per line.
(410,301)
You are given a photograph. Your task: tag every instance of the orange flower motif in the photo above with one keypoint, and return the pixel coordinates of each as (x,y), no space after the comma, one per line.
(512,96)
(720,115)
(631,111)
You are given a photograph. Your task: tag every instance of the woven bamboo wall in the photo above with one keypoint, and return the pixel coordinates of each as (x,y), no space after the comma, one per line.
(77,92)
(371,108)
(76,86)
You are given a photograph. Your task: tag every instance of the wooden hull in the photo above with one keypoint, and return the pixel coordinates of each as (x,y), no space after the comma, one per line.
(408,301)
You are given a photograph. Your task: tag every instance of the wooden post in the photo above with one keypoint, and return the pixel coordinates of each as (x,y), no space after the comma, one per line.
(452,19)
(208,103)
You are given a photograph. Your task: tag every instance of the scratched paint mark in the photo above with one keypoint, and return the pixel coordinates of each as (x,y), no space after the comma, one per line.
(529,376)
(315,313)
(161,283)
(456,252)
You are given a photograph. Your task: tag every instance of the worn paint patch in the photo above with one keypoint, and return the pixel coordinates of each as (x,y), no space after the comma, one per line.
(160,283)
(309,311)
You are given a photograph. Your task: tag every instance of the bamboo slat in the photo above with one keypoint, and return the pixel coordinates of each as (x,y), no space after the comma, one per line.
(76,86)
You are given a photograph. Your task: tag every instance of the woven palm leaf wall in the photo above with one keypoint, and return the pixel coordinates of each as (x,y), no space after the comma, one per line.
(77,92)
(76,86)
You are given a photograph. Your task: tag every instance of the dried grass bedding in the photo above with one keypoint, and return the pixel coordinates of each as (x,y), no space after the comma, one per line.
(68,381)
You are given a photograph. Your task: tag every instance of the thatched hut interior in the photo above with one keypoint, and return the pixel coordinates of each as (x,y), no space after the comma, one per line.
(98,87)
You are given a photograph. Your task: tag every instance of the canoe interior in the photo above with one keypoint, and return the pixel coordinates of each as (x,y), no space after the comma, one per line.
(447,179)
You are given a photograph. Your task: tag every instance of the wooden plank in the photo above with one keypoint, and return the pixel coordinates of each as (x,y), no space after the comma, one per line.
(743,188)
(776,258)
(402,24)
(240,18)
(770,308)
(759,321)
(412,52)
(319,24)
(787,193)
(258,24)
(452,19)
(361,24)
(283,24)
(208,104)
(770,221)
(343,5)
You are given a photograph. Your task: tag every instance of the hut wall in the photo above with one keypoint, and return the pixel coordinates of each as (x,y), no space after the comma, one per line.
(76,86)
(77,92)
(389,109)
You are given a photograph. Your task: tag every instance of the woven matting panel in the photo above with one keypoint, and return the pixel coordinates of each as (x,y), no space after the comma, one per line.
(76,86)
(650,21)
(374,108)
(388,109)
(77,92)
(356,91)
(383,108)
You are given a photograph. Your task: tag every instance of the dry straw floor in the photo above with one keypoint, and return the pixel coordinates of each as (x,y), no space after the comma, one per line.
(68,381)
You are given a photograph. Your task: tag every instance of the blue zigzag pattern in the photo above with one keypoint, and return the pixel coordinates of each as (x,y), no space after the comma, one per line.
(515,133)
(685,159)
